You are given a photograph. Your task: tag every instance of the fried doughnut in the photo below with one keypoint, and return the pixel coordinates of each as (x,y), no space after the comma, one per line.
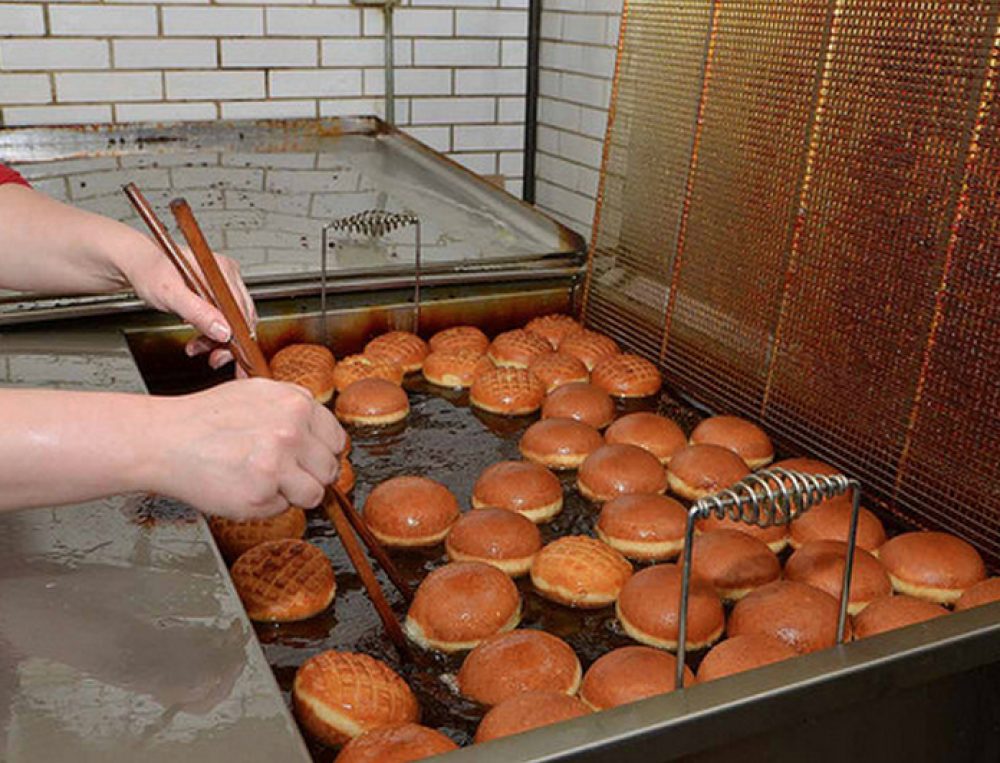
(506,539)
(803,617)
(581,401)
(400,347)
(890,612)
(339,696)
(459,338)
(283,581)
(734,562)
(647,527)
(396,744)
(696,471)
(526,711)
(744,438)
(626,375)
(372,402)
(580,571)
(456,369)
(507,391)
(520,486)
(555,369)
(589,347)
(934,566)
(559,443)
(629,674)
(553,328)
(235,537)
(820,563)
(460,605)
(357,367)
(309,365)
(410,512)
(614,470)
(657,434)
(516,662)
(516,348)
(741,653)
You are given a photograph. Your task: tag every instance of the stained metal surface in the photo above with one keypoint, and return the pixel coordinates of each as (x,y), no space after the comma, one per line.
(119,639)
(798,219)
(263,191)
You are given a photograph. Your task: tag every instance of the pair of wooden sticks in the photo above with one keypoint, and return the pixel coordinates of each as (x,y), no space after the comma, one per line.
(214,289)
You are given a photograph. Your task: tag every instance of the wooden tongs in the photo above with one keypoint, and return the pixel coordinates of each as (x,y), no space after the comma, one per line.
(211,286)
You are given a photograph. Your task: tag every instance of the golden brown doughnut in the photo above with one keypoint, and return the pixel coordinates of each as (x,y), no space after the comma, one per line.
(657,434)
(579,571)
(526,711)
(649,609)
(506,539)
(372,402)
(775,536)
(734,562)
(803,617)
(283,581)
(614,470)
(744,438)
(345,477)
(340,695)
(831,520)
(581,401)
(507,391)
(934,566)
(460,605)
(741,653)
(459,338)
(357,367)
(559,443)
(984,592)
(396,744)
(628,674)
(516,348)
(520,486)
(627,375)
(456,369)
(555,369)
(400,347)
(644,526)
(820,563)
(309,365)
(589,346)
(696,471)
(516,662)
(553,328)
(410,512)
(235,537)
(891,612)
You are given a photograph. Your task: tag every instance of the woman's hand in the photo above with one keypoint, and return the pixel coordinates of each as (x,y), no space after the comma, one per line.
(246,449)
(158,283)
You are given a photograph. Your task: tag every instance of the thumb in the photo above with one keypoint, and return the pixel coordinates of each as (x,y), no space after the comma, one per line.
(206,318)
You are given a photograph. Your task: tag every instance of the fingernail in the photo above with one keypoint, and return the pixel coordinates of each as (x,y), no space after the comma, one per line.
(219,331)
(189,350)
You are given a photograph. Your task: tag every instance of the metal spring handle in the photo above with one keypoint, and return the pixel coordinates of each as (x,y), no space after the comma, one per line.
(373,223)
(768,497)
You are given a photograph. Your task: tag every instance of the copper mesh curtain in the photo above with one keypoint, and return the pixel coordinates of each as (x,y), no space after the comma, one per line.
(799,219)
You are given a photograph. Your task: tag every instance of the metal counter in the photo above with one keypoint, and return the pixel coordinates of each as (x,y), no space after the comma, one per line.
(121,637)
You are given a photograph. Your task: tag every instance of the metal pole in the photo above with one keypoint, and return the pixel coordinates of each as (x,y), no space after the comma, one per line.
(390,66)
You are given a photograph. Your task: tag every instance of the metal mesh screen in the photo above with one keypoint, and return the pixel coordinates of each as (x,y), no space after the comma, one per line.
(801,226)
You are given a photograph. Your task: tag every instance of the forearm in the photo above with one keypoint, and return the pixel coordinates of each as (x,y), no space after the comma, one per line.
(65,447)
(54,248)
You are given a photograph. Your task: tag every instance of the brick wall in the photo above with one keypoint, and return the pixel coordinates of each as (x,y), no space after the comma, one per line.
(579,41)
(459,83)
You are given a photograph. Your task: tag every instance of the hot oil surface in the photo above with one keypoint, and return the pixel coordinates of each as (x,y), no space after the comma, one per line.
(444,439)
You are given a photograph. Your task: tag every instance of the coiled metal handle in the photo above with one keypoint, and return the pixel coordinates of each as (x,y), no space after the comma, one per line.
(769,497)
(373,223)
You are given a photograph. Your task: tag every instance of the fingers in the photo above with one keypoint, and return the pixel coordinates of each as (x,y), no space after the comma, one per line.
(219,358)
(269,508)
(300,488)
(325,427)
(316,458)
(206,318)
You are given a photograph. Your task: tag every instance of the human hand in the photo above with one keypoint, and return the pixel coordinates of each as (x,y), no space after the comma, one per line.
(246,449)
(157,281)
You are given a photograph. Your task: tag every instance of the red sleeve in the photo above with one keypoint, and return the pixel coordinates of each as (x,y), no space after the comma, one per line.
(7,175)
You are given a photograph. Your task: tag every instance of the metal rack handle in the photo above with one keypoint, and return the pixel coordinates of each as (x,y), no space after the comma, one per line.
(765,498)
(373,223)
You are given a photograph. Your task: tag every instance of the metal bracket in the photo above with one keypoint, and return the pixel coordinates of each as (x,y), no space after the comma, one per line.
(765,498)
(373,223)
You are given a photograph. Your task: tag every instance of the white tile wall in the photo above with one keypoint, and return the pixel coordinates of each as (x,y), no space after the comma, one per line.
(579,41)
(460,78)
(460,75)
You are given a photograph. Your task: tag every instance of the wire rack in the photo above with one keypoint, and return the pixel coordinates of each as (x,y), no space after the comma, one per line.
(765,498)
(372,224)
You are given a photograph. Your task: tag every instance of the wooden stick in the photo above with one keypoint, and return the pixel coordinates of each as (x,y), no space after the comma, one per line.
(334,500)
(378,551)
(223,295)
